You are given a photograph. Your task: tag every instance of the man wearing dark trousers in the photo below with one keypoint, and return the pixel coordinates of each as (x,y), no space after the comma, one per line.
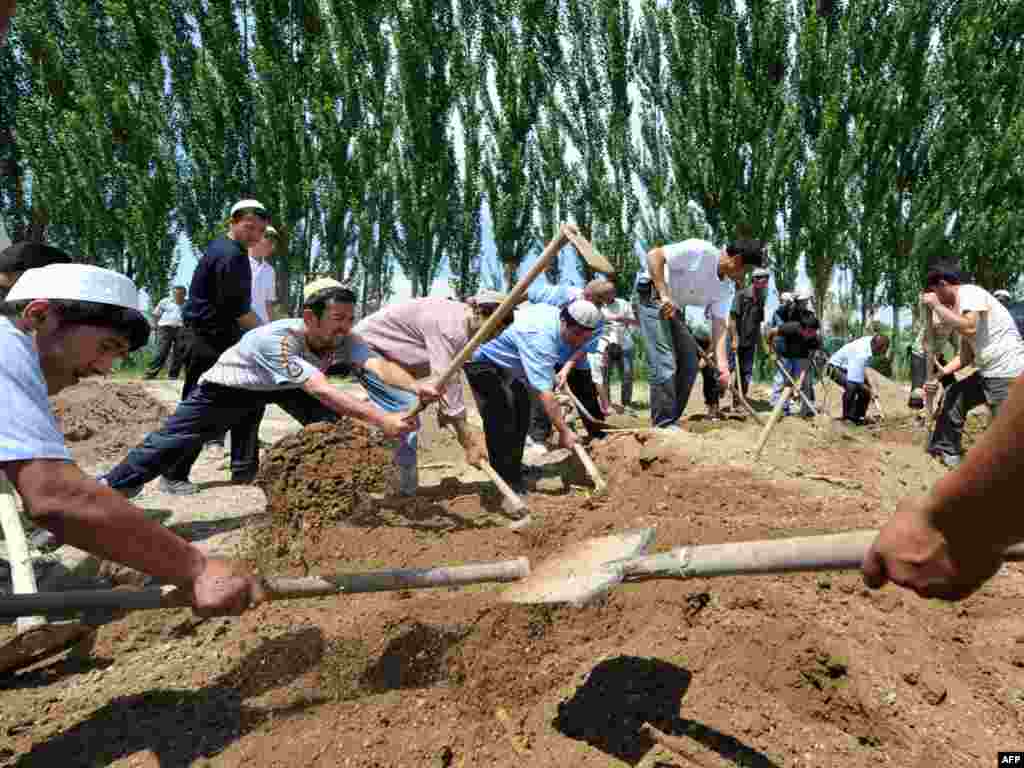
(745,321)
(524,358)
(168,317)
(847,369)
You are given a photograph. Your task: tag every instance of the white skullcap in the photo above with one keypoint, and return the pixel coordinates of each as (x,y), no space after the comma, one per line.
(785,298)
(322,284)
(1002,293)
(485,296)
(242,205)
(803,295)
(585,313)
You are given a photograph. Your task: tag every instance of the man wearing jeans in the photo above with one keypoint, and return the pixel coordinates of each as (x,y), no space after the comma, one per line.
(690,273)
(523,358)
(168,328)
(988,338)
(422,337)
(283,363)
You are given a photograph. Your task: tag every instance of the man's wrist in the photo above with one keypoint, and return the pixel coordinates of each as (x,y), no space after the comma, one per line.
(195,565)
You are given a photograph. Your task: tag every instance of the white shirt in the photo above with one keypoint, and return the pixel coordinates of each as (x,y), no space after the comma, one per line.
(264,288)
(853,358)
(170,313)
(998,349)
(616,332)
(691,271)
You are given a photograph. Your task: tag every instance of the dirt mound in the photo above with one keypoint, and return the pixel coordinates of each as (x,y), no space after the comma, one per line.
(102,419)
(321,475)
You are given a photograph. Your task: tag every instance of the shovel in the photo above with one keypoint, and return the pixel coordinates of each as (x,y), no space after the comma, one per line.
(277,588)
(592,568)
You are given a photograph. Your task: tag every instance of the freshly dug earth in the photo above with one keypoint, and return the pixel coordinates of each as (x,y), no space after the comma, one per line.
(103,420)
(802,670)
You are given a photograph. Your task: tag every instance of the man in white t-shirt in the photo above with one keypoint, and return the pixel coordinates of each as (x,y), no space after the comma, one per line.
(614,348)
(168,328)
(989,340)
(283,363)
(264,285)
(847,369)
(690,273)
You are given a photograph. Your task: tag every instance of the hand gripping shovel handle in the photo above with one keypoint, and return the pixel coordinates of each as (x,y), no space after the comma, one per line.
(518,292)
(835,552)
(278,588)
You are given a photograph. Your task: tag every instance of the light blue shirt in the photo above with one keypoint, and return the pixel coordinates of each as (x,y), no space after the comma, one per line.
(532,347)
(853,358)
(555,295)
(28,429)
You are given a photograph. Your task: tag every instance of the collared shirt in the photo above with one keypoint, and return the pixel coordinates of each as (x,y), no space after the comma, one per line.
(532,347)
(30,430)
(691,271)
(221,290)
(277,356)
(616,331)
(998,349)
(555,295)
(423,335)
(170,313)
(854,358)
(264,287)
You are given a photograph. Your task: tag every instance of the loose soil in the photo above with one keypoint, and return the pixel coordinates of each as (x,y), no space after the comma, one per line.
(801,670)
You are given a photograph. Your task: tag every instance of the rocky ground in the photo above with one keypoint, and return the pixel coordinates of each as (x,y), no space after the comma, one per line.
(802,670)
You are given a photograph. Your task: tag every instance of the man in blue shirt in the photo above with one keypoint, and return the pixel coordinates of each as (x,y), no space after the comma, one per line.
(524,358)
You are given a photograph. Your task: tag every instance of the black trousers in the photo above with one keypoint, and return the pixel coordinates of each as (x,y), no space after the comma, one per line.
(581,384)
(201,351)
(504,404)
(209,411)
(170,345)
(855,396)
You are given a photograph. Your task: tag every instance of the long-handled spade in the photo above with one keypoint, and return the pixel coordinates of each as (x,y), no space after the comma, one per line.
(593,567)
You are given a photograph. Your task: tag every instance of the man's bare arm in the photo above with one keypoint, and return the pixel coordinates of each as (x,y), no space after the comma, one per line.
(344,404)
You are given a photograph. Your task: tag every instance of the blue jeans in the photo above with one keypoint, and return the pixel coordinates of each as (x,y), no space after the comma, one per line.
(794,366)
(671,362)
(392,400)
(208,412)
(746,356)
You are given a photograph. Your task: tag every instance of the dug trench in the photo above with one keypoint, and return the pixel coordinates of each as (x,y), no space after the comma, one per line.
(802,670)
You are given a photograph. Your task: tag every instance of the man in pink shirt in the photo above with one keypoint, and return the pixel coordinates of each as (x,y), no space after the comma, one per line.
(423,336)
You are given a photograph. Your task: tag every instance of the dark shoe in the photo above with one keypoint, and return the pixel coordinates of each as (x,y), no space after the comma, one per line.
(243,478)
(128,491)
(178,487)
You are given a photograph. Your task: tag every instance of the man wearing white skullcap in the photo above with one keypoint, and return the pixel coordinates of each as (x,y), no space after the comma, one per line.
(59,324)
(524,356)
(423,336)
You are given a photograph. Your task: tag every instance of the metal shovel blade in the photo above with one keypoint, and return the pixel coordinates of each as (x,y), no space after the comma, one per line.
(582,572)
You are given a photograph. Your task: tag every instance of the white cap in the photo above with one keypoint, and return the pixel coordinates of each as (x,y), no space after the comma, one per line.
(786,297)
(1002,293)
(82,282)
(803,295)
(269,232)
(321,284)
(243,204)
(585,313)
(485,297)
(76,282)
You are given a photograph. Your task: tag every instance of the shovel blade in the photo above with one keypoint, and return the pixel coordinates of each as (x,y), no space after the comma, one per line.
(582,572)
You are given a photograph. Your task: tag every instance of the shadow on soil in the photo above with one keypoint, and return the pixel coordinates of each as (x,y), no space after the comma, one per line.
(198,530)
(623,693)
(180,726)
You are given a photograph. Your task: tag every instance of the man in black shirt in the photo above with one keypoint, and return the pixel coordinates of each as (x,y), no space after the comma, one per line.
(745,321)
(219,306)
(799,338)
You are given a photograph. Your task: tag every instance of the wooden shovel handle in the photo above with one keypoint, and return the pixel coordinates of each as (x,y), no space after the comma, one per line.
(511,496)
(592,471)
(834,552)
(518,292)
(278,588)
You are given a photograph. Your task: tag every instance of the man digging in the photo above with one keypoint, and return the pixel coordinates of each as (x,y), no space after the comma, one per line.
(847,369)
(422,337)
(690,273)
(524,358)
(60,324)
(798,338)
(989,340)
(282,363)
(745,320)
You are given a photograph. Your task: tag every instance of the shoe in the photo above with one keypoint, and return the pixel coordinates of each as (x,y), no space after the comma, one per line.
(128,491)
(672,428)
(950,460)
(178,487)
(407,480)
(529,471)
(243,478)
(43,541)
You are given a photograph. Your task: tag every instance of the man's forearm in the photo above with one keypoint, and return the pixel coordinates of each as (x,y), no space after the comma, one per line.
(87,515)
(344,404)
(979,498)
(248,321)
(718,342)
(961,323)
(391,373)
(554,413)
(656,269)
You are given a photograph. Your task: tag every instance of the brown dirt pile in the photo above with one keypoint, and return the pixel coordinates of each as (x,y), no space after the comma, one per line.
(318,476)
(103,419)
